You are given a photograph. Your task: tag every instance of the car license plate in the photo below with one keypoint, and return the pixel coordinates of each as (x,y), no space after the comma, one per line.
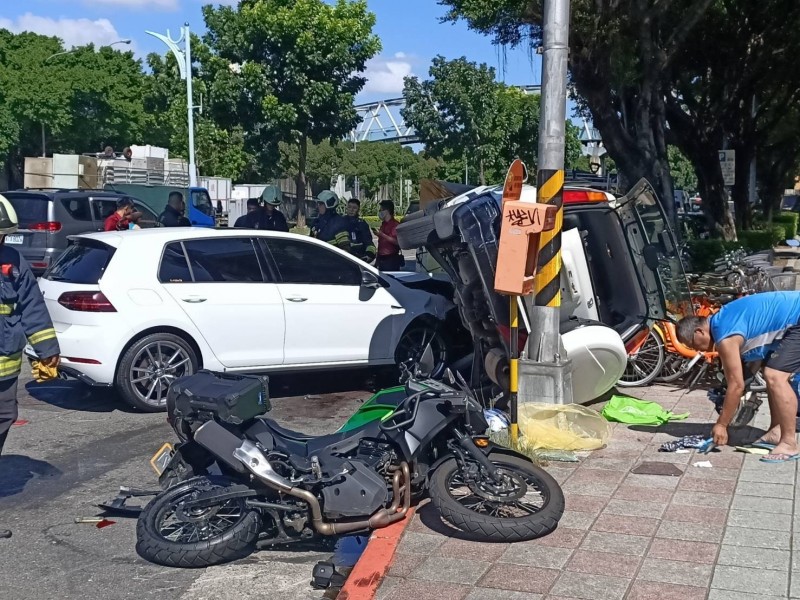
(13,239)
(161,458)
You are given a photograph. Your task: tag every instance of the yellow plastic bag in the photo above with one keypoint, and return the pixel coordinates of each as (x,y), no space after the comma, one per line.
(562,427)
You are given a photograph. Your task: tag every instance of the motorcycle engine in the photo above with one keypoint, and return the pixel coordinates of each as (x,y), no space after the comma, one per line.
(359,493)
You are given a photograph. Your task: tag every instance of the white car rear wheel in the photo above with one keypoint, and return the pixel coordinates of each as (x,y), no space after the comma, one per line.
(150,365)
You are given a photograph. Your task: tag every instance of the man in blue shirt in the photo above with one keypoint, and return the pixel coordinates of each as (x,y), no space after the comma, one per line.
(761,327)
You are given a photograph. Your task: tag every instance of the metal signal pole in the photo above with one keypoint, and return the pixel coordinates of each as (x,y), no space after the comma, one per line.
(546,372)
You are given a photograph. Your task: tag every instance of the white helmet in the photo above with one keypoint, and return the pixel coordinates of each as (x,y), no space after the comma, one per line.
(328,198)
(8,217)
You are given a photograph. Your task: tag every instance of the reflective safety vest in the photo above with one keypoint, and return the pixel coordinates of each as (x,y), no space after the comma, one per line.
(23,315)
(361,244)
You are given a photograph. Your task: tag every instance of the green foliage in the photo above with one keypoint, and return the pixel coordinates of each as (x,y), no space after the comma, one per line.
(682,171)
(703,253)
(762,239)
(471,123)
(789,221)
(301,65)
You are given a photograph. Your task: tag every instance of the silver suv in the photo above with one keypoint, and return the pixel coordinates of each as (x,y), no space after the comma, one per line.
(48,216)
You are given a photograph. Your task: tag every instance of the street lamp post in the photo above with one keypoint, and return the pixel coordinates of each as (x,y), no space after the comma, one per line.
(184,58)
(70,51)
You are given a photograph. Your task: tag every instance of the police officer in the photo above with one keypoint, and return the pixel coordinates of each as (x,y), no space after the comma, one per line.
(274,220)
(361,244)
(329,226)
(23,316)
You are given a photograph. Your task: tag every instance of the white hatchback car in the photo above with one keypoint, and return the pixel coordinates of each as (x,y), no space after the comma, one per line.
(137,309)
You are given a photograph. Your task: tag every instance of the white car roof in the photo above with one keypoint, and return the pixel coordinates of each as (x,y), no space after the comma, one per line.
(162,235)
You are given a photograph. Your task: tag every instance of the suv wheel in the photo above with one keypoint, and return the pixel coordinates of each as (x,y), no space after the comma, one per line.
(148,368)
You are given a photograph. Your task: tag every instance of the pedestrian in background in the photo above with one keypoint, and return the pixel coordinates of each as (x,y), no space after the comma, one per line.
(329,226)
(122,218)
(361,244)
(23,318)
(389,256)
(252,218)
(173,212)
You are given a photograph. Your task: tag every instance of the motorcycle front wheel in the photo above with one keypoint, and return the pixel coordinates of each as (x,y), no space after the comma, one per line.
(169,534)
(526,506)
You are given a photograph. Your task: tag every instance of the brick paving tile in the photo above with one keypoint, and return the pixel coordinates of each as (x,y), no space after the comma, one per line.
(492,594)
(729,595)
(651,454)
(690,532)
(450,570)
(591,475)
(769,490)
(615,464)
(616,453)
(713,473)
(726,460)
(652,590)
(536,556)
(603,563)
(404,564)
(768,505)
(755,538)
(419,543)
(560,474)
(750,519)
(427,590)
(675,572)
(622,524)
(588,504)
(635,493)
(763,558)
(519,578)
(561,538)
(591,587)
(717,500)
(769,475)
(751,581)
(576,520)
(636,509)
(710,486)
(678,550)
(455,548)
(604,490)
(695,514)
(618,543)
(652,481)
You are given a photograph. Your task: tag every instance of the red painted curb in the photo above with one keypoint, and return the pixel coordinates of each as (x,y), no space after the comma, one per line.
(366,577)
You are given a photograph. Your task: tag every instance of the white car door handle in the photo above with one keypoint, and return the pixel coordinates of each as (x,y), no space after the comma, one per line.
(194,300)
(296,299)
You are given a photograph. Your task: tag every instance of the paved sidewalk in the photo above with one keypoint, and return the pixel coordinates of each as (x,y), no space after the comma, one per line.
(724,532)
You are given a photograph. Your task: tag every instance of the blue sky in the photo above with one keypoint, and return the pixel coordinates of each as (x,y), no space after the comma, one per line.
(410,31)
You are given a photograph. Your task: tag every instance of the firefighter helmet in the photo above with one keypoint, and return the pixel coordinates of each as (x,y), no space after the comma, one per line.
(271,195)
(328,198)
(8,217)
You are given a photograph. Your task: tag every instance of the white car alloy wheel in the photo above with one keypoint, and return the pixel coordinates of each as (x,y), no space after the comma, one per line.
(150,366)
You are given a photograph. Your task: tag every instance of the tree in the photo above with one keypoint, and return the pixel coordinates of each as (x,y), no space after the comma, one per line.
(620,60)
(681,170)
(81,100)
(472,123)
(300,67)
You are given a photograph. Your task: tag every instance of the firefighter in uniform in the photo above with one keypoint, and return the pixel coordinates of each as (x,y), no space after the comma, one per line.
(274,219)
(329,226)
(23,317)
(361,244)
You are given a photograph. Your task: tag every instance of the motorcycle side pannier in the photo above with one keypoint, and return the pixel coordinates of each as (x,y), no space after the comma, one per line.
(234,399)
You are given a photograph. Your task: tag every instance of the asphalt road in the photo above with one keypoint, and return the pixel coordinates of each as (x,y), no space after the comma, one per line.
(73,449)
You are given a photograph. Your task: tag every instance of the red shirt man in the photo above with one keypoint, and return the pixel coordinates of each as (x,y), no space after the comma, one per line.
(120,218)
(389,257)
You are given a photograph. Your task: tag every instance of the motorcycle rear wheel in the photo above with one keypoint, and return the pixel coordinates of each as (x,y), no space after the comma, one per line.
(532,515)
(169,535)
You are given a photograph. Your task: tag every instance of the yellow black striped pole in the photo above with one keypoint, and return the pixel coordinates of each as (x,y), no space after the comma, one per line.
(513,364)
(550,187)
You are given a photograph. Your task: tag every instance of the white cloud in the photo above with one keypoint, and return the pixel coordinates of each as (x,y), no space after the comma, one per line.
(73,32)
(385,75)
(156,4)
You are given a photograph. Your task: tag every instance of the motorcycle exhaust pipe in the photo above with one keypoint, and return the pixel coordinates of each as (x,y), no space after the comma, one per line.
(252,458)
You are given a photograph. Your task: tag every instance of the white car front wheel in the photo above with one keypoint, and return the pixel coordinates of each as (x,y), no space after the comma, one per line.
(150,365)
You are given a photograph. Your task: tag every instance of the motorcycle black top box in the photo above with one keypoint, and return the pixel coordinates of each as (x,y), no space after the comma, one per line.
(239,481)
